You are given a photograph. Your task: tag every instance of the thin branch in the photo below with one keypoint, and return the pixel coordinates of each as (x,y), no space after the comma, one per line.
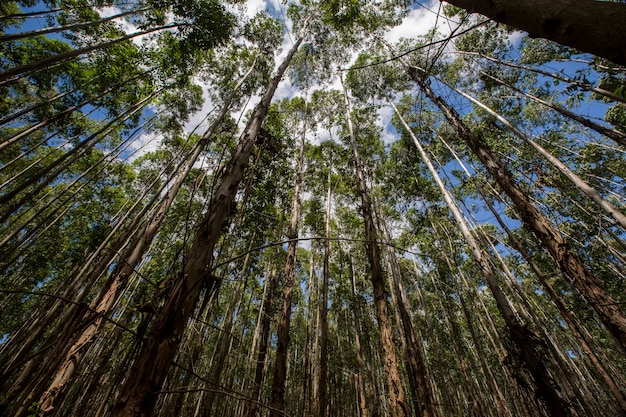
(236,396)
(410,51)
(339,239)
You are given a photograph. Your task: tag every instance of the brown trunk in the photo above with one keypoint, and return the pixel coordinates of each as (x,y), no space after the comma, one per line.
(306,383)
(575,179)
(266,316)
(397,400)
(527,343)
(414,356)
(138,395)
(589,286)
(225,338)
(360,377)
(117,282)
(322,401)
(65,161)
(567,22)
(569,318)
(277,401)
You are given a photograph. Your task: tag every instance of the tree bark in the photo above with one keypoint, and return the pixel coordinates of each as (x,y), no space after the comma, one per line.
(585,188)
(138,394)
(591,26)
(360,377)
(588,285)
(413,345)
(277,401)
(527,343)
(617,135)
(396,396)
(323,371)
(47,62)
(73,26)
(266,316)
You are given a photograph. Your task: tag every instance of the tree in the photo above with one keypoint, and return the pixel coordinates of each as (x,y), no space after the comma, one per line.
(564,22)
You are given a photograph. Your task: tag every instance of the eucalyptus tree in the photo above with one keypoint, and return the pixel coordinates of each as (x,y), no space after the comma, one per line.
(519,332)
(296,109)
(561,22)
(134,253)
(154,360)
(586,283)
(397,400)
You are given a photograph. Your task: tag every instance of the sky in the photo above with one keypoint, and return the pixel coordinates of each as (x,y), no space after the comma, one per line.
(417,22)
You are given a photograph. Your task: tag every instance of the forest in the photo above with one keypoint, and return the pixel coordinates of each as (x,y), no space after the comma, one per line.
(312,208)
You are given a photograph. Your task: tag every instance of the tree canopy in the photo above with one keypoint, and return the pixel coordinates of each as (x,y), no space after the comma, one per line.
(315,208)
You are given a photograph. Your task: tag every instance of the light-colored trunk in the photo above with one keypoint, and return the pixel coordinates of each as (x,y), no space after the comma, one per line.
(323,371)
(136,397)
(585,188)
(525,339)
(588,285)
(395,394)
(284,323)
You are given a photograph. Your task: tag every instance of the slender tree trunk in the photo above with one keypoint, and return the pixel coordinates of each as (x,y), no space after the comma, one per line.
(225,339)
(396,397)
(117,282)
(60,115)
(277,401)
(618,136)
(527,342)
(81,25)
(569,318)
(564,21)
(578,182)
(589,286)
(306,379)
(414,357)
(65,161)
(322,401)
(138,394)
(360,377)
(266,317)
(13,73)
(554,75)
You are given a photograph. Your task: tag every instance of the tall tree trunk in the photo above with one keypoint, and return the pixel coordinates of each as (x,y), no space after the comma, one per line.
(73,26)
(277,401)
(617,135)
(308,349)
(555,75)
(65,161)
(564,21)
(396,397)
(418,379)
(266,317)
(527,342)
(47,62)
(589,286)
(138,394)
(578,182)
(360,377)
(225,338)
(322,401)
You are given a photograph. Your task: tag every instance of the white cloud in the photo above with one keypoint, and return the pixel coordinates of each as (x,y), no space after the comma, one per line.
(146,142)
(255,6)
(126,26)
(389,134)
(417,23)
